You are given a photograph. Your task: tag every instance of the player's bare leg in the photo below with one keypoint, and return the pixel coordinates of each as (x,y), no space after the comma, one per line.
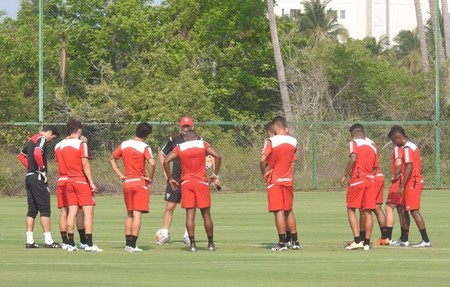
(420,222)
(291,225)
(80,227)
(88,211)
(168,214)
(209,227)
(190,226)
(63,226)
(134,227)
(390,219)
(72,213)
(353,222)
(405,222)
(369,227)
(280,224)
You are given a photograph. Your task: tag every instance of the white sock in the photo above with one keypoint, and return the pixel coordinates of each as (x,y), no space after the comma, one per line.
(48,238)
(30,237)
(165,232)
(186,234)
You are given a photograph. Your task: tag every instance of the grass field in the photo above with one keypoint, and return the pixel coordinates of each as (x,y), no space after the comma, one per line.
(244,232)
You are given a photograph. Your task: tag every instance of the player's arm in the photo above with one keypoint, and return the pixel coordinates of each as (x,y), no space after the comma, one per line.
(217,163)
(397,170)
(113,162)
(263,164)
(406,177)
(87,172)
(348,168)
(166,165)
(23,159)
(39,153)
(151,170)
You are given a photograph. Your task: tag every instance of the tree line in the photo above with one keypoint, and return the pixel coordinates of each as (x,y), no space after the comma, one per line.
(130,60)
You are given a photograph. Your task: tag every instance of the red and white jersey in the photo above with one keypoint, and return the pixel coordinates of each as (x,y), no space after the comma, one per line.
(411,154)
(134,153)
(378,173)
(280,152)
(192,155)
(72,150)
(62,170)
(366,157)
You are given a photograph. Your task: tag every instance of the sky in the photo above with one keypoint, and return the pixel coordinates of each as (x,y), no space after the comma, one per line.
(10,6)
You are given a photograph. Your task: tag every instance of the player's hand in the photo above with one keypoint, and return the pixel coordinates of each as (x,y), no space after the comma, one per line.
(342,181)
(44,176)
(93,187)
(122,177)
(400,190)
(215,182)
(173,183)
(148,180)
(84,139)
(269,172)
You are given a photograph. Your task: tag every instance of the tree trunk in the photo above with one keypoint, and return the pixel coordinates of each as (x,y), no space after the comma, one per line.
(422,39)
(435,25)
(286,102)
(446,20)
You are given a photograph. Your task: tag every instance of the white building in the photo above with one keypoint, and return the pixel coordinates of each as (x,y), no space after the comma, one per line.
(364,18)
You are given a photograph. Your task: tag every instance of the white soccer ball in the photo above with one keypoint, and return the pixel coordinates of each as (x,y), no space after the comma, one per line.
(161,238)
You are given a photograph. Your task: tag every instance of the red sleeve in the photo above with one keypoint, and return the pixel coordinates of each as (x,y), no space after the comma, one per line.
(352,148)
(118,152)
(84,152)
(23,159)
(38,157)
(267,147)
(148,153)
(206,145)
(176,151)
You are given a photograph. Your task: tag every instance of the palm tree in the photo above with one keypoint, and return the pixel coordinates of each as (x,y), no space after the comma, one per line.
(408,50)
(377,48)
(286,102)
(446,26)
(320,24)
(435,25)
(422,37)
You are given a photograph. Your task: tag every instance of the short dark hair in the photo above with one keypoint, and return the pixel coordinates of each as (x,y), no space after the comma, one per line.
(143,130)
(73,126)
(396,129)
(355,127)
(191,135)
(52,129)
(279,121)
(269,127)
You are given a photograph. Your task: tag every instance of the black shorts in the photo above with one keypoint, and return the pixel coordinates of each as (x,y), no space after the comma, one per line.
(173,195)
(38,195)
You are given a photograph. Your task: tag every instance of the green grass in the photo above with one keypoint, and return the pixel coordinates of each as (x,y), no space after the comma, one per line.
(244,232)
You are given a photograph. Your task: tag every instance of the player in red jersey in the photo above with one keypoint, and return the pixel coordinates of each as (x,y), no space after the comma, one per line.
(136,183)
(34,158)
(80,186)
(279,156)
(361,192)
(395,201)
(411,183)
(195,191)
(173,196)
(61,197)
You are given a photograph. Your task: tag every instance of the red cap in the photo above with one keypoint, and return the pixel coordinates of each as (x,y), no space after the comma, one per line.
(186,121)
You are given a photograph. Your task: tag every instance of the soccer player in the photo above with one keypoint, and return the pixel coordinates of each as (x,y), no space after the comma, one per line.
(395,201)
(136,183)
(34,158)
(411,183)
(173,196)
(361,194)
(61,197)
(80,186)
(279,155)
(194,186)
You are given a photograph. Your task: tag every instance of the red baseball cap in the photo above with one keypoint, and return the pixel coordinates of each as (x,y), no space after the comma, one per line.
(186,121)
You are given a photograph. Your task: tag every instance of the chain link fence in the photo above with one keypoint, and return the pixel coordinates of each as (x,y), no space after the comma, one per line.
(321,157)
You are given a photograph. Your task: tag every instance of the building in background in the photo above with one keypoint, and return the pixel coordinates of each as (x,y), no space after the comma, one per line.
(365,18)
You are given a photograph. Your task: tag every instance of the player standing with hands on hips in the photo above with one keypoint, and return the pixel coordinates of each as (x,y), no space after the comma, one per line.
(279,155)
(136,183)
(34,158)
(195,191)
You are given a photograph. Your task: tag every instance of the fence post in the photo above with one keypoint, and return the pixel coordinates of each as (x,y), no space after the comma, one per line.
(314,155)
(438,156)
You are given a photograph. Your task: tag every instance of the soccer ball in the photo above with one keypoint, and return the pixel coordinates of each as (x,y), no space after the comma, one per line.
(161,238)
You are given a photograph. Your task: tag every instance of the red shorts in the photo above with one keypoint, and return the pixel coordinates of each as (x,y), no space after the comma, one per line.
(379,188)
(195,194)
(61,196)
(361,194)
(412,195)
(280,197)
(393,196)
(136,196)
(79,193)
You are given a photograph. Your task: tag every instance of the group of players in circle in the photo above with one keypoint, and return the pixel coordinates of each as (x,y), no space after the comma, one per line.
(366,186)
(188,184)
